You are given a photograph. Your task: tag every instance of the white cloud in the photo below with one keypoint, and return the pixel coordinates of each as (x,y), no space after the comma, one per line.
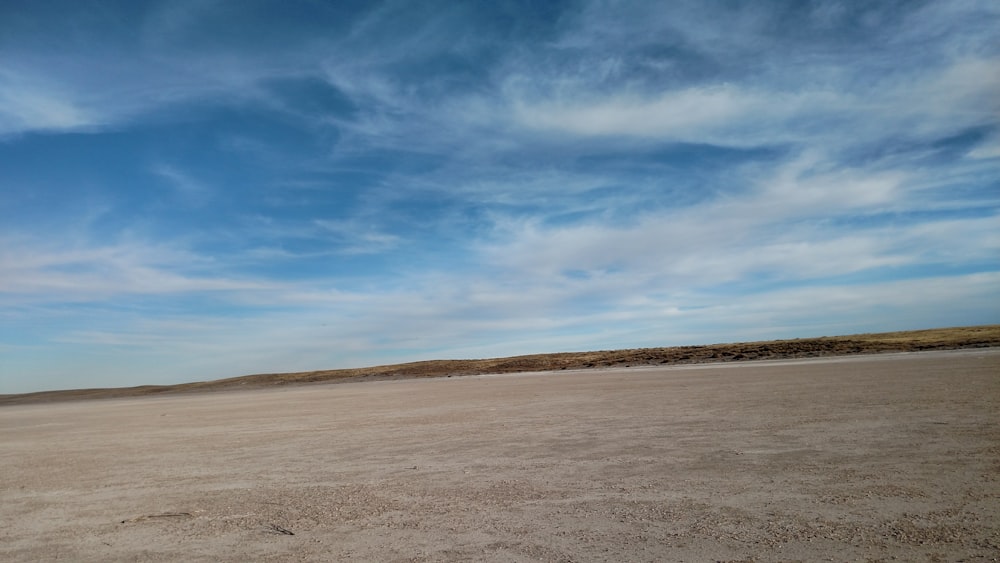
(810,186)
(681,115)
(353,237)
(33,103)
(918,103)
(188,188)
(70,82)
(732,77)
(36,271)
(936,101)
(805,221)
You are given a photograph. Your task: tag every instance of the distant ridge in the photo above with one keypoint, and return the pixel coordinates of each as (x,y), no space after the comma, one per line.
(877,343)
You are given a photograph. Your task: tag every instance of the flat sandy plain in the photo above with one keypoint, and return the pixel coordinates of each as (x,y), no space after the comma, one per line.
(862,458)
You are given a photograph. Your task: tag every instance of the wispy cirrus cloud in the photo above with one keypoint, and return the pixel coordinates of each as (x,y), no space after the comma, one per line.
(41,271)
(803,221)
(188,188)
(357,239)
(29,104)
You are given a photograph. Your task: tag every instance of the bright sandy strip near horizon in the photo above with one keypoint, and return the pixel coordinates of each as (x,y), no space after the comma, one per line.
(845,459)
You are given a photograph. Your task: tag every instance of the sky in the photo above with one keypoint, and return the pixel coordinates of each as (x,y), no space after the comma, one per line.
(197,189)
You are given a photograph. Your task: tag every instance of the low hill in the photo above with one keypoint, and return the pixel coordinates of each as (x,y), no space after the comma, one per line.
(908,341)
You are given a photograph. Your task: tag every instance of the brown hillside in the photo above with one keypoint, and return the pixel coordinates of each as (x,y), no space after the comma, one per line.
(908,341)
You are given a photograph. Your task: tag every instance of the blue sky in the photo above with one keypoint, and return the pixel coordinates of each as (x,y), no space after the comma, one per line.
(198,189)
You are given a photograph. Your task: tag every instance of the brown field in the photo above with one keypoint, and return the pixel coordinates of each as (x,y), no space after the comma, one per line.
(862,458)
(879,343)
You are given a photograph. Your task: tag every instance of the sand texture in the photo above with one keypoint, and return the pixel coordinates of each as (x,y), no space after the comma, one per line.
(863,458)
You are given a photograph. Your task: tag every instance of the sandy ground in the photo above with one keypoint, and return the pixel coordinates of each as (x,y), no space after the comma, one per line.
(851,459)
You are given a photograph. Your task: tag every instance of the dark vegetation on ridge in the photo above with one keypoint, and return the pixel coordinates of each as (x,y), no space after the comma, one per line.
(908,341)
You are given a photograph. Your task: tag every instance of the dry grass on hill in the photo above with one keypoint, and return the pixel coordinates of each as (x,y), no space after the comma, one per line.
(907,341)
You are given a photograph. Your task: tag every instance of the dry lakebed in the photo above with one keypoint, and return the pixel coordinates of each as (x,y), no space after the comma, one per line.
(861,458)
